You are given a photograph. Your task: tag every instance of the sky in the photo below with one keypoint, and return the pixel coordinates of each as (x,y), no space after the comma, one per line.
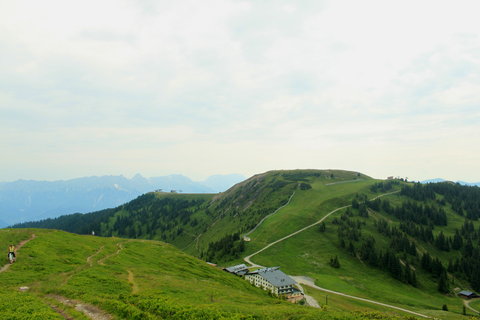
(387,88)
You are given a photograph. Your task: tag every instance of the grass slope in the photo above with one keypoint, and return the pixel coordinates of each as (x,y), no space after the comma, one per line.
(308,253)
(131,279)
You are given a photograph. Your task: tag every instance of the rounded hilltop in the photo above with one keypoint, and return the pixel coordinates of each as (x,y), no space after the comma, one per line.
(296,175)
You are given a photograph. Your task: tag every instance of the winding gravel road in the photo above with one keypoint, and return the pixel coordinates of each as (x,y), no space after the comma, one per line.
(245,236)
(247,259)
(467,304)
(310,283)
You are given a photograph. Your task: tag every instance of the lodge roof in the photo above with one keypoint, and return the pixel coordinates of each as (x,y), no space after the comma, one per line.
(274,276)
(238,269)
(466,293)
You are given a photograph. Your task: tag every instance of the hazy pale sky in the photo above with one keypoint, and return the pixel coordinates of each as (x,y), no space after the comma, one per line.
(207,87)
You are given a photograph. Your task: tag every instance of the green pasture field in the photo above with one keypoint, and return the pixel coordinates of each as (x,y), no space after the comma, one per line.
(305,208)
(330,301)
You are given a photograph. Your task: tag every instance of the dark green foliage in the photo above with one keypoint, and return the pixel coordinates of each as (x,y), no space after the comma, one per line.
(444,307)
(355,204)
(350,230)
(441,242)
(465,241)
(443,286)
(432,265)
(368,252)
(392,264)
(279,184)
(304,186)
(410,275)
(362,211)
(359,200)
(322,227)
(384,186)
(400,243)
(423,233)
(468,265)
(414,212)
(399,240)
(76,223)
(227,248)
(465,200)
(334,262)
(300,175)
(468,230)
(375,204)
(418,192)
(457,242)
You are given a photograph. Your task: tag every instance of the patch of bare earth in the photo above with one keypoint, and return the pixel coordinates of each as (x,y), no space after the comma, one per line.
(89,258)
(132,282)
(120,248)
(58,310)
(89,310)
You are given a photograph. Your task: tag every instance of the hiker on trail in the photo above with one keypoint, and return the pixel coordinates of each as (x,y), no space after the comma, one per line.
(11,249)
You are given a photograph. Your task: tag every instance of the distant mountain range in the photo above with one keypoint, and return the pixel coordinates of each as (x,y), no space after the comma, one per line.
(26,200)
(436,180)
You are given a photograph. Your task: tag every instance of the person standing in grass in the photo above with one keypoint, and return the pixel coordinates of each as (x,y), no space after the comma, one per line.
(11,249)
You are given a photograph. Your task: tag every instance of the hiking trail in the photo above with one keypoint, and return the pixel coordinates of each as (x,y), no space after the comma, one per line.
(21,244)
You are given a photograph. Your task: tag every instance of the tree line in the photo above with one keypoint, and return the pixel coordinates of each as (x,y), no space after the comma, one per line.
(351,238)
(229,247)
(417,219)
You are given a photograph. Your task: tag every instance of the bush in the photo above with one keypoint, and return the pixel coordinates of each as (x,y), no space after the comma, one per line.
(304,186)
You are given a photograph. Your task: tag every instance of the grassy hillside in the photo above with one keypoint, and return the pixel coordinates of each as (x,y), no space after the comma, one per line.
(130,279)
(309,253)
(194,221)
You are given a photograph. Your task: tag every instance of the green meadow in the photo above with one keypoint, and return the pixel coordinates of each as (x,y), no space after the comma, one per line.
(308,253)
(131,279)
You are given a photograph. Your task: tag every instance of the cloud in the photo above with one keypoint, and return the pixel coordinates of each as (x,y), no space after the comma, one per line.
(142,85)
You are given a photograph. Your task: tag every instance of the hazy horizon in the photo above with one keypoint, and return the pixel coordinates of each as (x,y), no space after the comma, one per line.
(213,87)
(130,177)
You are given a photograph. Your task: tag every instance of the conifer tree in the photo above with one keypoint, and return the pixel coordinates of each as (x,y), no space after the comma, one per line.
(443,283)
